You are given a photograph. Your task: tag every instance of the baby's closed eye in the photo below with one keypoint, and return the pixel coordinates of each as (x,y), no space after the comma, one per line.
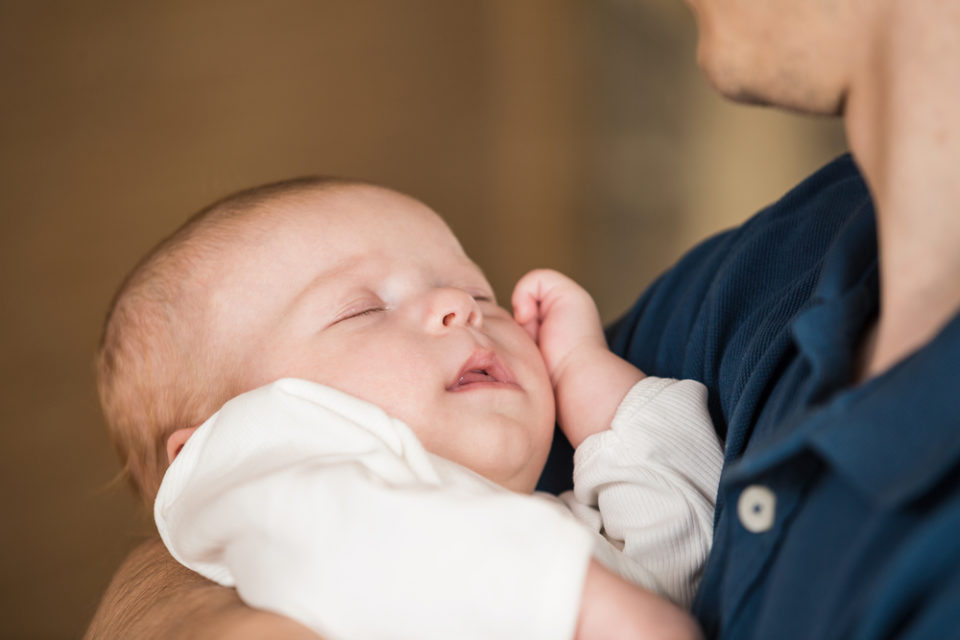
(360,310)
(364,312)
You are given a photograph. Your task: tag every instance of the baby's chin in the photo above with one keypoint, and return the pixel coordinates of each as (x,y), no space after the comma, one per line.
(521,477)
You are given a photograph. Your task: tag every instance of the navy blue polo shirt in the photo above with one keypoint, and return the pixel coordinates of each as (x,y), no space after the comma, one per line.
(838,513)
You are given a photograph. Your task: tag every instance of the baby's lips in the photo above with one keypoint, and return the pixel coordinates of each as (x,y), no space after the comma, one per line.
(483,365)
(476,376)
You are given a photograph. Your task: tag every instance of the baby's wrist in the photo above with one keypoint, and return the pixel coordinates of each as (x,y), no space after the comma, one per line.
(589,390)
(578,359)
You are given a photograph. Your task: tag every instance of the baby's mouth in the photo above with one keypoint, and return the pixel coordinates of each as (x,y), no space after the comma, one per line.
(477,375)
(482,369)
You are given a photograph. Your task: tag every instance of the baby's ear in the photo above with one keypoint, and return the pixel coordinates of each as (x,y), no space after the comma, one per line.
(176,441)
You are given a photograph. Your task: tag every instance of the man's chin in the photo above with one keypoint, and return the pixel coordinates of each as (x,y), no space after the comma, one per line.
(782,96)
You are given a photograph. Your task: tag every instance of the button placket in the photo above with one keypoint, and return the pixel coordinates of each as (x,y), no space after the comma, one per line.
(763,508)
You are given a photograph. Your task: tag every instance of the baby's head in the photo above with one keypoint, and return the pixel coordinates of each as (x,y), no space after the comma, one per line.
(346,284)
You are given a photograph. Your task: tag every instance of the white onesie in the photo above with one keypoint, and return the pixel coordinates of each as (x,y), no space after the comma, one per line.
(321,507)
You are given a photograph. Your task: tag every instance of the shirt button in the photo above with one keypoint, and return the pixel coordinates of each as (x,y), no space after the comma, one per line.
(757,508)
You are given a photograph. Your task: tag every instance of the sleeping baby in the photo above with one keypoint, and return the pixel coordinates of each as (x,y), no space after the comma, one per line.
(319,392)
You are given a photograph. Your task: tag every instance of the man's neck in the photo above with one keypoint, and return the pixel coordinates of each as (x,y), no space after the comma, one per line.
(903,127)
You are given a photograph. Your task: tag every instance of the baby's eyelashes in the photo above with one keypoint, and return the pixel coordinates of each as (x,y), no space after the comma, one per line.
(359,311)
(365,312)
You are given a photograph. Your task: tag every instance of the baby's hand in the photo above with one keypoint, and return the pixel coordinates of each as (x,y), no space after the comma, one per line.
(589,381)
(559,315)
(614,609)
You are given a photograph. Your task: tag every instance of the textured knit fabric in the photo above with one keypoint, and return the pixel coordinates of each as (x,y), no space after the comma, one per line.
(648,486)
(322,507)
(839,505)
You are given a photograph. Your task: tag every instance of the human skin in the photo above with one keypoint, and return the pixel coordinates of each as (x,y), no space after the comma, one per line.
(888,67)
(367,290)
(153,597)
(391,310)
(589,380)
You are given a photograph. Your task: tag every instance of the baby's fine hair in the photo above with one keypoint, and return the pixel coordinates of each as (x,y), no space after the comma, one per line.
(158,366)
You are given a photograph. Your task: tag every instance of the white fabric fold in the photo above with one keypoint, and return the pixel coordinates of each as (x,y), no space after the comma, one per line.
(322,507)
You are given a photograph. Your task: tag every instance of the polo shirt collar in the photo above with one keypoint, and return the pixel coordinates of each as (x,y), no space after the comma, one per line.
(894,436)
(898,434)
(844,301)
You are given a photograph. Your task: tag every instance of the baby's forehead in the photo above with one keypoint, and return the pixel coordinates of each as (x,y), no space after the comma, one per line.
(346,208)
(300,258)
(344,220)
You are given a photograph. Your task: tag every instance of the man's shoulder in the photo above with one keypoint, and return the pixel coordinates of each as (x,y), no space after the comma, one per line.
(800,226)
(727,305)
(733,271)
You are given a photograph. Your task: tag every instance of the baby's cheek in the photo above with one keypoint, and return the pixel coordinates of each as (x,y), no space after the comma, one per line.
(510,331)
(530,353)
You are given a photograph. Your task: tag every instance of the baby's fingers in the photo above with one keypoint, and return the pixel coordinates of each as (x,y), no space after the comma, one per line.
(539,285)
(526,304)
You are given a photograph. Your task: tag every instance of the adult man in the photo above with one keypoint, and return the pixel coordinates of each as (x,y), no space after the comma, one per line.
(826,329)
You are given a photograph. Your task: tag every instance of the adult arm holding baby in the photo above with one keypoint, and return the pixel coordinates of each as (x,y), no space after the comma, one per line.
(152,596)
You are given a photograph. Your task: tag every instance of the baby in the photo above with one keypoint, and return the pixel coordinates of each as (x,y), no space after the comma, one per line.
(372,472)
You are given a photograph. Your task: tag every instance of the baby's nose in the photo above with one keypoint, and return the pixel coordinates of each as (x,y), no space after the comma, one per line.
(450,308)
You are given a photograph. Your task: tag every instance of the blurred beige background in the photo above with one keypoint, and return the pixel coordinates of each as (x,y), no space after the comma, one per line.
(572,134)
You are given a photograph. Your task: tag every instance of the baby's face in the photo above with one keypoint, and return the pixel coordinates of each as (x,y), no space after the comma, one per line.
(367,291)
